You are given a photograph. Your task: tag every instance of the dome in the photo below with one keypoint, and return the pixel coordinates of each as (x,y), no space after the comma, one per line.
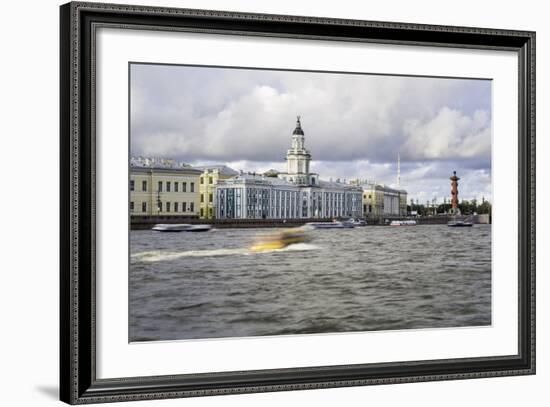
(298,129)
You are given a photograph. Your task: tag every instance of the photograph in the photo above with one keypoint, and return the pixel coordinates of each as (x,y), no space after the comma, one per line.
(268,202)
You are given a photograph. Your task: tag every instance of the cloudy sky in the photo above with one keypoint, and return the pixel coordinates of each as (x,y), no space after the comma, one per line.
(355,125)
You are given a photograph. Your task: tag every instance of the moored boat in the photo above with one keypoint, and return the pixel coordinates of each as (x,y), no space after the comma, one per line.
(327,225)
(403,222)
(180,227)
(198,228)
(354,222)
(459,224)
(177,227)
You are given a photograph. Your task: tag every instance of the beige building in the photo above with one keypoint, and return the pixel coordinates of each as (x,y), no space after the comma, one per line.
(161,187)
(207,187)
(380,200)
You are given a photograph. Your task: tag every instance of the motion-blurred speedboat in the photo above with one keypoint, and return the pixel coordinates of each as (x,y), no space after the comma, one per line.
(280,240)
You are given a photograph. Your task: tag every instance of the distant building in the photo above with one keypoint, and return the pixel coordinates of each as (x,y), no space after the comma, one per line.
(297,193)
(380,200)
(249,196)
(163,187)
(207,187)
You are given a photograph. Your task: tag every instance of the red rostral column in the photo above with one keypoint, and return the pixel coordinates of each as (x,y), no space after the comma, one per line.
(454,192)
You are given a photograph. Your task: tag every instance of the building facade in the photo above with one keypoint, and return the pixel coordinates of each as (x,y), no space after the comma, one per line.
(381,200)
(209,179)
(297,193)
(161,187)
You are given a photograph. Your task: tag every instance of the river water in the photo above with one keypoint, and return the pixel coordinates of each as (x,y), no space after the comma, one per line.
(209,285)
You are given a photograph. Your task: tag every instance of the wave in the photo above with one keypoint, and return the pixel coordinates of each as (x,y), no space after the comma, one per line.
(159,255)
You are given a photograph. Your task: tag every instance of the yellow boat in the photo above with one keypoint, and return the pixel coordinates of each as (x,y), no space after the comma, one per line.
(280,240)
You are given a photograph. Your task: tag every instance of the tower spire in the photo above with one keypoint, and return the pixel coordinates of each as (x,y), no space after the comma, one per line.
(398,170)
(298,129)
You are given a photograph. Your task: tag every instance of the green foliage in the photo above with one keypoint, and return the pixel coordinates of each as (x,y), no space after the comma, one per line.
(466,208)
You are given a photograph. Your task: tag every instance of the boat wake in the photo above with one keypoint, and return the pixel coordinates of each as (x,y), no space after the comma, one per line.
(160,255)
(298,247)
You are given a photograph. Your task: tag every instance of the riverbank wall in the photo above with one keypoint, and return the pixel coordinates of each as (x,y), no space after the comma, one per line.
(147,222)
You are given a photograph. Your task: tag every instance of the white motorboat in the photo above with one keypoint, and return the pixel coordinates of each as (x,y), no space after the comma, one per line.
(355,222)
(177,227)
(180,227)
(403,223)
(459,224)
(326,225)
(198,228)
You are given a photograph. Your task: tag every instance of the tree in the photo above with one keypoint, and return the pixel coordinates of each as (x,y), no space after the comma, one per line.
(484,208)
(444,208)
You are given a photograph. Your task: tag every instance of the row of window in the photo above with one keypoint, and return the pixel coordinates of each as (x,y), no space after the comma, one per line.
(166,207)
(285,204)
(210,198)
(210,180)
(165,184)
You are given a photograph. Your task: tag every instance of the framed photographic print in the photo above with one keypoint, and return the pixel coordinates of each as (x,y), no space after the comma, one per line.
(255,203)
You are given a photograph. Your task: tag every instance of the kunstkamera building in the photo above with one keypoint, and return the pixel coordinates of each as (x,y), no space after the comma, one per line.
(297,193)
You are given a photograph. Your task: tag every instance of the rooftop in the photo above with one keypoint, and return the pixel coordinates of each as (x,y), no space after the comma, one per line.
(156,162)
(222,169)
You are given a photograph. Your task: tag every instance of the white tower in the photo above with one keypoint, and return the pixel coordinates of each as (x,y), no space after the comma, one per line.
(298,158)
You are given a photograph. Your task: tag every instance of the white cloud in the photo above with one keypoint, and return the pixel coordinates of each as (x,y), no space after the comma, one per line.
(355,124)
(449,134)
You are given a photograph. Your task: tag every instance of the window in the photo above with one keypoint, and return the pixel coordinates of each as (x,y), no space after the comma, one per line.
(211,212)
(183,206)
(192,186)
(176,206)
(202,212)
(192,205)
(202,180)
(167,206)
(211,198)
(131,185)
(168,185)
(176,187)
(131,206)
(144,206)
(144,186)
(160,186)
(184,187)
(202,198)
(210,180)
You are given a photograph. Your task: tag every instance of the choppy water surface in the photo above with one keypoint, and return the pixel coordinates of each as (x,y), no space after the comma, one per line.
(209,285)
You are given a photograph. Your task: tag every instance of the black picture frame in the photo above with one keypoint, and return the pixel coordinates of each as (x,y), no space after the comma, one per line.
(78,382)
